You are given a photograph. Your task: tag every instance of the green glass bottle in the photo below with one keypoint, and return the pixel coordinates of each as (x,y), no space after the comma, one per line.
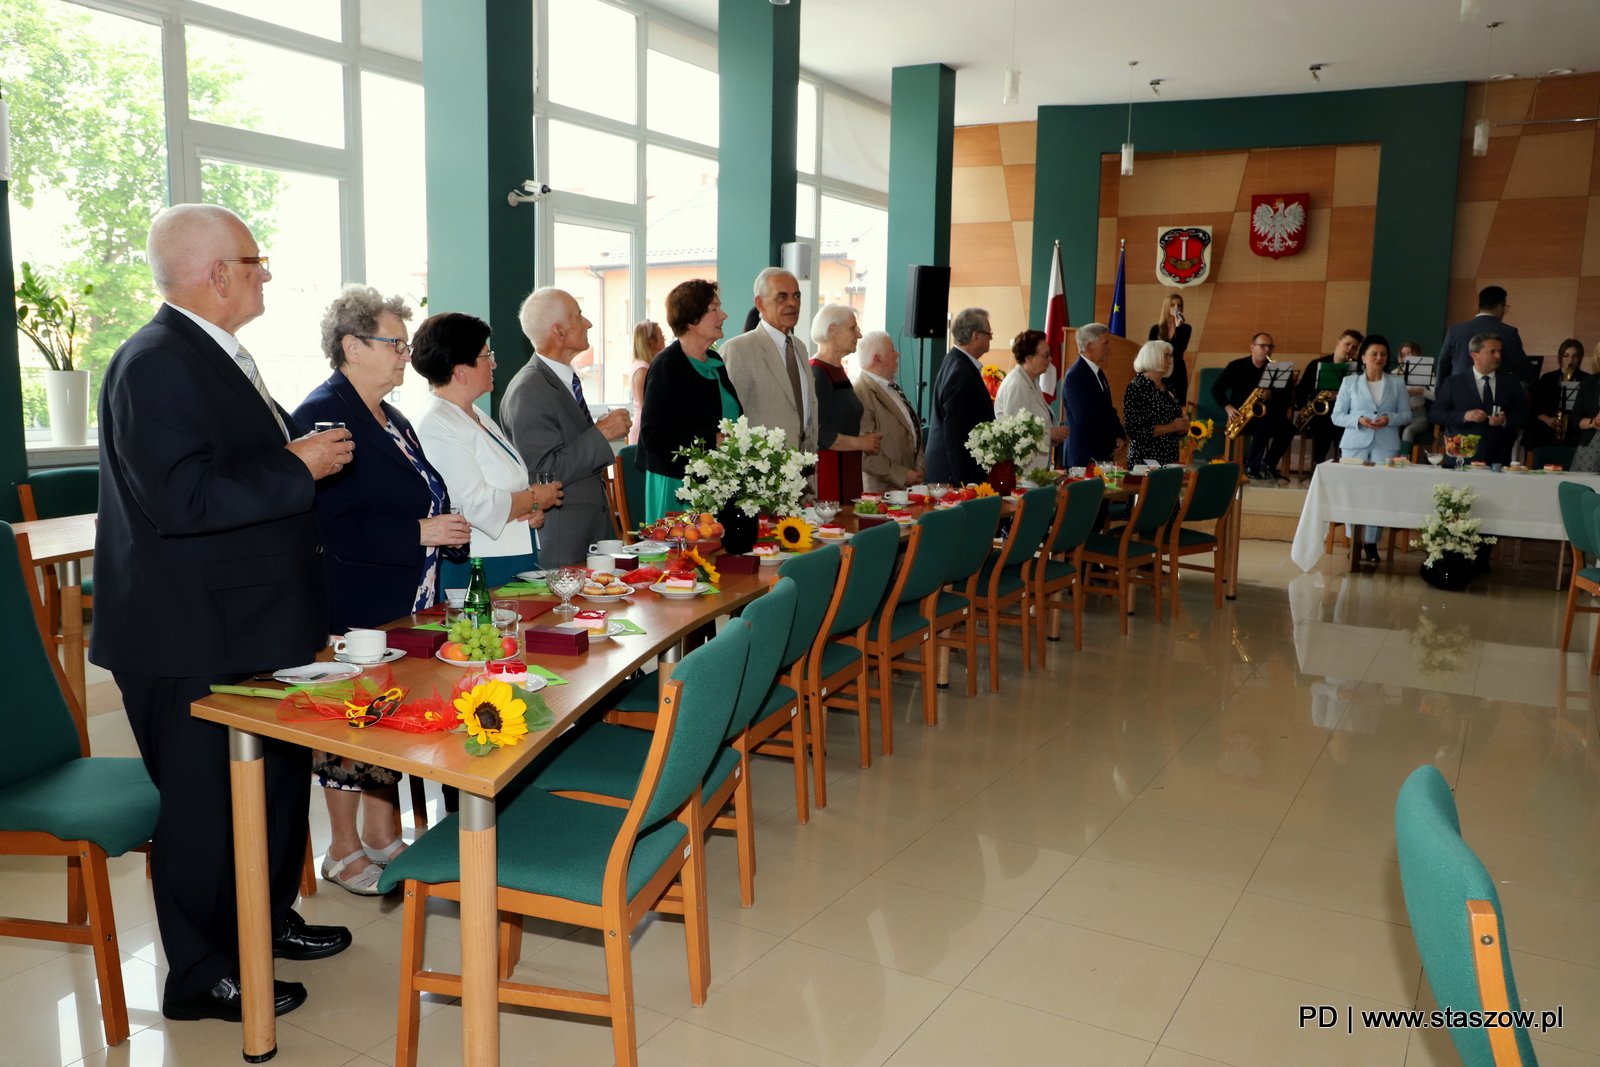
(478,602)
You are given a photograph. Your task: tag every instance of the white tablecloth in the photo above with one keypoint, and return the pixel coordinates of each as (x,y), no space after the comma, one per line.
(1513,505)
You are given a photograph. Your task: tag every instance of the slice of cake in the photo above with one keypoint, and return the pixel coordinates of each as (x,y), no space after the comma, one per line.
(592,619)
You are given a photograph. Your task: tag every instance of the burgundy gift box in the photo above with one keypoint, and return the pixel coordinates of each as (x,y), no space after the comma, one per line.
(419,643)
(865,521)
(556,640)
(624,563)
(738,564)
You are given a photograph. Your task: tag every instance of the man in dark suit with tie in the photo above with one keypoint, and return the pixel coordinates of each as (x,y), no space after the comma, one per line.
(1086,401)
(1454,357)
(548,419)
(1487,402)
(208,570)
(960,401)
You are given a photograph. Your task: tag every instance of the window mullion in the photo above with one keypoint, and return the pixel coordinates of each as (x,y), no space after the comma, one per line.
(352,190)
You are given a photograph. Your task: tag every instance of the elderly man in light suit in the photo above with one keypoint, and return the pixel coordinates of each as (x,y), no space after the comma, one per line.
(548,419)
(769,366)
(884,409)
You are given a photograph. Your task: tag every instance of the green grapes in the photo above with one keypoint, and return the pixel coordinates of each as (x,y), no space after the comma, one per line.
(480,641)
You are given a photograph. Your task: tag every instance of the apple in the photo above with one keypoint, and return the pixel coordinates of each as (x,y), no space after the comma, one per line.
(677,530)
(716,530)
(508,646)
(707,519)
(691,533)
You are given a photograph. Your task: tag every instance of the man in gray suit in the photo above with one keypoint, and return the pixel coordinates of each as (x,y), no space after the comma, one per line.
(548,419)
(769,366)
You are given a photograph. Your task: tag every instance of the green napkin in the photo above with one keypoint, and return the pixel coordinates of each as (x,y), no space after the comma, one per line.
(629,628)
(550,676)
(431,626)
(525,587)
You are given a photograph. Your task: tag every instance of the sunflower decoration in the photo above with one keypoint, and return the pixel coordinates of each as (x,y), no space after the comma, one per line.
(985,489)
(793,534)
(1200,430)
(707,571)
(492,715)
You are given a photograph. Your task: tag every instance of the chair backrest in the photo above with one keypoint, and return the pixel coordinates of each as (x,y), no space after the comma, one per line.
(814,575)
(770,618)
(40,732)
(632,488)
(1031,525)
(941,538)
(711,676)
(65,491)
(1079,511)
(977,538)
(1207,408)
(1157,497)
(1557,454)
(1445,884)
(872,553)
(1575,498)
(1211,492)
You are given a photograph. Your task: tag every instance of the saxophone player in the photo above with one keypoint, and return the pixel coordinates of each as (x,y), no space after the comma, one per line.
(1320,427)
(1270,431)
(1545,400)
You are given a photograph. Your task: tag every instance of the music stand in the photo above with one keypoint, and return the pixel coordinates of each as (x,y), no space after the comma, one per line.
(1330,375)
(1419,371)
(1276,375)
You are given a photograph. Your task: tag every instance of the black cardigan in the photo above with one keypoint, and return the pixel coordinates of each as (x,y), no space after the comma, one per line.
(680,408)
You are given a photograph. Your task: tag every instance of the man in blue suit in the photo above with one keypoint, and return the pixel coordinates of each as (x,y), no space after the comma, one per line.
(1487,402)
(1086,401)
(960,401)
(1454,358)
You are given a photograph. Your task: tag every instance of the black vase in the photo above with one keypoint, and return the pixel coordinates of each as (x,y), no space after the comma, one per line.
(739,531)
(1454,572)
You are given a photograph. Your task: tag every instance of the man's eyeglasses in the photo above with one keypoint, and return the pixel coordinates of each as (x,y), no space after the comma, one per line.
(400,347)
(251,261)
(1258,344)
(986,333)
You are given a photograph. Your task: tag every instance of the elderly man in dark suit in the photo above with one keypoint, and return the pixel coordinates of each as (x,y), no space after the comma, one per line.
(1488,402)
(548,419)
(1086,401)
(1454,357)
(208,570)
(960,401)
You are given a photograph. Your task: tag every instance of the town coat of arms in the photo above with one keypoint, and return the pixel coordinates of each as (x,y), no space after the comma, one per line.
(1183,255)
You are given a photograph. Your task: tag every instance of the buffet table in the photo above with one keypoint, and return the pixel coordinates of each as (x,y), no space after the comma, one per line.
(1510,505)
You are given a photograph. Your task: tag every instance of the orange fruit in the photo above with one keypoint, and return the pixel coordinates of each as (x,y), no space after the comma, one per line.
(451,650)
(691,533)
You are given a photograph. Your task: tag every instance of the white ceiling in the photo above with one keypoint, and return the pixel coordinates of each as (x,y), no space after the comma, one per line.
(1077,51)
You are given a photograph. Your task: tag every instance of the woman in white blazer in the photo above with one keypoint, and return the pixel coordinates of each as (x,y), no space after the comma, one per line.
(1373,407)
(1020,391)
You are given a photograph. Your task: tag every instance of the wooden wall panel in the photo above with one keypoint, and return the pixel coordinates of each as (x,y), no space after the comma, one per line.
(978,194)
(1484,177)
(1556,164)
(1291,311)
(976,146)
(1350,243)
(983,253)
(1536,239)
(1019,190)
(991,232)
(1289,170)
(1018,142)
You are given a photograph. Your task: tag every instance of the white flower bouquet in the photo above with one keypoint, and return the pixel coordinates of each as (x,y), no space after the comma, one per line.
(1013,439)
(754,469)
(1448,529)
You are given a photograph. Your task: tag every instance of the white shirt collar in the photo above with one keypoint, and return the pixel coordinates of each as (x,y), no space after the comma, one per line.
(976,362)
(779,338)
(227,341)
(563,371)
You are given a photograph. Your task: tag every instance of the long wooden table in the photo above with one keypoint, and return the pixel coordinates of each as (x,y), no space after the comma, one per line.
(68,541)
(442,758)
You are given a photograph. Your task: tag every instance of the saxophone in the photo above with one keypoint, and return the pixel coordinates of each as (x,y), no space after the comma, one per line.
(1254,406)
(1320,404)
(1563,416)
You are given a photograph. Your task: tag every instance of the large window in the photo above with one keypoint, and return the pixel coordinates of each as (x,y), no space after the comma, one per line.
(275,109)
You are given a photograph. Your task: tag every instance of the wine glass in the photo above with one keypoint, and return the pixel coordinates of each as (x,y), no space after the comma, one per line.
(938,491)
(565,583)
(826,510)
(1436,458)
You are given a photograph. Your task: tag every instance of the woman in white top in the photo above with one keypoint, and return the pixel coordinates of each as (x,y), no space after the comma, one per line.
(1373,408)
(648,341)
(1020,391)
(480,466)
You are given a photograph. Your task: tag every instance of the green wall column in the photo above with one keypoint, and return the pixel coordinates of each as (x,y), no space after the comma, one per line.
(477,75)
(13,447)
(922,115)
(758,63)
(1418,127)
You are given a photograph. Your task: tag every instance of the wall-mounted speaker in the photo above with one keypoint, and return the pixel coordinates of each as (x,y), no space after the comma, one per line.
(927,301)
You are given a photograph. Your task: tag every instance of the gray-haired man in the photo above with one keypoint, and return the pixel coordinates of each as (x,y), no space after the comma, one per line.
(960,401)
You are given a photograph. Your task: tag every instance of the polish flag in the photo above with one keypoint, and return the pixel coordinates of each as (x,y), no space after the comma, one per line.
(1055,321)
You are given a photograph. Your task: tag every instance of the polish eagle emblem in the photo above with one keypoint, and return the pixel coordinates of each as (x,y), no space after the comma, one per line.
(1278,223)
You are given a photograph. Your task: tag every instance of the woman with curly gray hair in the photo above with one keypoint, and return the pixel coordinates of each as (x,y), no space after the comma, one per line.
(385,520)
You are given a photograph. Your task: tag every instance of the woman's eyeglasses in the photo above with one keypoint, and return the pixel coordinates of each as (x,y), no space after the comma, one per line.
(400,346)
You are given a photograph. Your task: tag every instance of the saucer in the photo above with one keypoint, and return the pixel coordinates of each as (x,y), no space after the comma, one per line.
(389,656)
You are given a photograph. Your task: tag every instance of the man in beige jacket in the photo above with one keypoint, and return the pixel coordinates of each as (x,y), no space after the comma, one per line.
(769,366)
(884,409)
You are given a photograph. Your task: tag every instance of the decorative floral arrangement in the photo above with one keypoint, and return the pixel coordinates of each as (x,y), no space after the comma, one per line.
(754,469)
(1448,529)
(366,701)
(793,534)
(493,715)
(1010,439)
(984,489)
(701,564)
(993,375)
(1200,431)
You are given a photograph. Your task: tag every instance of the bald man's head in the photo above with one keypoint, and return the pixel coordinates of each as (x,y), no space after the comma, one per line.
(195,252)
(553,321)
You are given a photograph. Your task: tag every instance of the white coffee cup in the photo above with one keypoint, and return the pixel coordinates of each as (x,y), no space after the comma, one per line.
(610,547)
(897,496)
(602,561)
(362,646)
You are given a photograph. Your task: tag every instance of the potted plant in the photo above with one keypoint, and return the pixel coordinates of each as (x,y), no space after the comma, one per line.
(1003,443)
(51,323)
(753,471)
(1451,538)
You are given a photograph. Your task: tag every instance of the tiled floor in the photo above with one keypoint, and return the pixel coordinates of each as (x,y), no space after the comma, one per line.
(1151,853)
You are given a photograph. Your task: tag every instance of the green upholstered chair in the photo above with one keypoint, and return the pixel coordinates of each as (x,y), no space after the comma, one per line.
(57,800)
(1456,921)
(953,608)
(1579,505)
(904,621)
(1051,576)
(1208,497)
(627,487)
(1131,549)
(840,680)
(603,761)
(1005,577)
(1554,455)
(590,864)
(64,491)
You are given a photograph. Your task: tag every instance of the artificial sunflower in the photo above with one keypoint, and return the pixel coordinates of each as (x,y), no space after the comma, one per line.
(793,534)
(706,569)
(492,715)
(985,489)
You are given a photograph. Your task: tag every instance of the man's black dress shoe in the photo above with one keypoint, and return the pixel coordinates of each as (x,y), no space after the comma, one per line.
(223,1002)
(302,941)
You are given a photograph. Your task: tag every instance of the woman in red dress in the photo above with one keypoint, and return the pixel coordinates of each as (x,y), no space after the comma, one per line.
(839,437)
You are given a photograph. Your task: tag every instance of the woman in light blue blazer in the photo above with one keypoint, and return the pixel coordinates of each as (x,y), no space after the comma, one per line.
(1373,407)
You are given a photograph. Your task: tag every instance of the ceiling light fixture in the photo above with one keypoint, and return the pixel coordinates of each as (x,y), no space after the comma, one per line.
(1127,146)
(1559,71)
(1480,129)
(1504,77)
(1155,85)
(1012,90)
(1315,76)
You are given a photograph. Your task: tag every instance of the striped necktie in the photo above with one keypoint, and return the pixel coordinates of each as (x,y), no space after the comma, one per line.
(916,423)
(577,394)
(791,363)
(247,363)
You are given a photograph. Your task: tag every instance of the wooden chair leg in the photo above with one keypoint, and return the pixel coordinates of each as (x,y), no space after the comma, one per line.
(77,905)
(696,940)
(970,636)
(419,803)
(994,648)
(797,728)
(412,932)
(930,691)
(1594,659)
(864,715)
(1077,612)
(886,704)
(619,987)
(308,870)
(1156,583)
(510,943)
(1125,601)
(107,956)
(744,829)
(1572,610)
(819,750)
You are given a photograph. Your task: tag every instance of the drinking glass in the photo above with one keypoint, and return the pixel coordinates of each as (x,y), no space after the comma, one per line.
(508,620)
(937,491)
(541,478)
(324,427)
(565,583)
(1436,458)
(826,510)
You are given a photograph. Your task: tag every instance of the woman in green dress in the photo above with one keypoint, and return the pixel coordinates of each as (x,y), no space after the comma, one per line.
(686,394)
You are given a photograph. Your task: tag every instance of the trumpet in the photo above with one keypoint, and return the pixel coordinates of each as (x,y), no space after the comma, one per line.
(1563,416)
(1254,407)
(1320,404)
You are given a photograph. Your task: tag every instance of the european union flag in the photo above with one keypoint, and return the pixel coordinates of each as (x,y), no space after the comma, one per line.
(1119,297)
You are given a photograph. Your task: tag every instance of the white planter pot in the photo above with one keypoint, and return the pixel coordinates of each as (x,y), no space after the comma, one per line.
(68,394)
